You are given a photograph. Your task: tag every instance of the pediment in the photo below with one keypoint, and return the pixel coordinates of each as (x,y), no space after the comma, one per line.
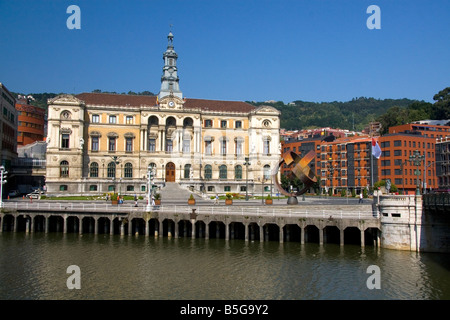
(266,110)
(65,99)
(171,102)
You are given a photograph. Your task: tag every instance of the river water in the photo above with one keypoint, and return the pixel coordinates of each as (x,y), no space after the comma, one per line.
(34,266)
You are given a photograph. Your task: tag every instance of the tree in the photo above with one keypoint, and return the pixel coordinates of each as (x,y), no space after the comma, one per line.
(441,108)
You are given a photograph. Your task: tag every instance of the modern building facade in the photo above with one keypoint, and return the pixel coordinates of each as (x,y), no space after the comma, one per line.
(31,123)
(443,163)
(8,128)
(99,143)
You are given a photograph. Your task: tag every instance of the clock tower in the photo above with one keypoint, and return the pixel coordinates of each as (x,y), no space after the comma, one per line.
(169,79)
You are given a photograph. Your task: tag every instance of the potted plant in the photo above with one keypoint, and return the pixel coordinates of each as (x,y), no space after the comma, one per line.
(114,198)
(269,199)
(228,199)
(157,199)
(191,200)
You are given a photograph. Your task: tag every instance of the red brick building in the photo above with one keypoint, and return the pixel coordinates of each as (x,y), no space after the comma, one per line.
(31,122)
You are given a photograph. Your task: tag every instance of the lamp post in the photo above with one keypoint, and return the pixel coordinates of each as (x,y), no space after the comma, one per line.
(3,174)
(416,159)
(150,175)
(246,164)
(116,162)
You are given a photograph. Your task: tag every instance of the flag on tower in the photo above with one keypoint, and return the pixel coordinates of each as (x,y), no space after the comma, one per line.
(376,150)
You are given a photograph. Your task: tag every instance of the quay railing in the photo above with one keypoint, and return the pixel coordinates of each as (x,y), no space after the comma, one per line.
(301,212)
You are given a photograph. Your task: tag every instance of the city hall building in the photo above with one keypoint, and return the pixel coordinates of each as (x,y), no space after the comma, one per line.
(100,143)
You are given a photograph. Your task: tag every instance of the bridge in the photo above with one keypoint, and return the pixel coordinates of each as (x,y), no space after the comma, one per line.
(302,223)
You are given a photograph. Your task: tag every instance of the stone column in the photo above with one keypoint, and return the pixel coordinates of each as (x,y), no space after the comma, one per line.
(246,226)
(111,226)
(80,229)
(281,233)
(95,225)
(146,228)
(302,235)
(261,233)
(227,231)
(130,225)
(160,228)
(341,237)
(176,229)
(193,230)
(321,236)
(64,224)
(15,223)
(362,238)
(27,225)
(207,230)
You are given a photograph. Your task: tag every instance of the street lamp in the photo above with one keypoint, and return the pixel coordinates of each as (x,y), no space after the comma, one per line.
(246,164)
(150,175)
(116,162)
(3,174)
(416,159)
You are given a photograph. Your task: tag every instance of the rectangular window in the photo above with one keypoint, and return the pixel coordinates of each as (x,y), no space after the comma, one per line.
(152,145)
(226,188)
(398,172)
(143,188)
(398,181)
(169,145)
(112,119)
(208,147)
(266,147)
(93,187)
(223,123)
(239,148)
(238,124)
(112,144)
(95,118)
(208,123)
(130,188)
(186,146)
(94,143)
(223,149)
(63,187)
(129,144)
(129,120)
(397,143)
(65,141)
(243,188)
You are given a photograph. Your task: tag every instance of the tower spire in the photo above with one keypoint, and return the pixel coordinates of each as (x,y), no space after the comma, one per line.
(170,80)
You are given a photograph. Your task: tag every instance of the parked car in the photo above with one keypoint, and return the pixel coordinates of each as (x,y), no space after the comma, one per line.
(35,194)
(13,193)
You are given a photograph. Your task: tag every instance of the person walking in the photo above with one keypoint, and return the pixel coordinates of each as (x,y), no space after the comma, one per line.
(360,197)
(217,199)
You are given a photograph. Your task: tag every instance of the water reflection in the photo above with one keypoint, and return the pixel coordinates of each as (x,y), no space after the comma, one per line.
(33,266)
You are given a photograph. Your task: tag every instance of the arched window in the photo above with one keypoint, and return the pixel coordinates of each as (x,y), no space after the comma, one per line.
(111,170)
(93,170)
(267,172)
(208,172)
(128,170)
(64,169)
(223,172)
(187,171)
(238,172)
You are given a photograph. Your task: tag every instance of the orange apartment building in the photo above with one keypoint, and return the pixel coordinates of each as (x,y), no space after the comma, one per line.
(428,130)
(395,165)
(31,121)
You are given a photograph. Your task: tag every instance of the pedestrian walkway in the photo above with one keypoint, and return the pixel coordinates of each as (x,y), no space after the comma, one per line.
(172,191)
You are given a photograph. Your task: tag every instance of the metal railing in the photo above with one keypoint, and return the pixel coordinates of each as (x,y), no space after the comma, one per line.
(94,208)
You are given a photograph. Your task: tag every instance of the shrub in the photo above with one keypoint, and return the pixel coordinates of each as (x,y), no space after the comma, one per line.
(228,195)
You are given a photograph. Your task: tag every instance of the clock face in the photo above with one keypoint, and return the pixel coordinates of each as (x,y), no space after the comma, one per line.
(171,103)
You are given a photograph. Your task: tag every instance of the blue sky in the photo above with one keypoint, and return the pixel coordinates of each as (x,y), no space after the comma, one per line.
(230,49)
